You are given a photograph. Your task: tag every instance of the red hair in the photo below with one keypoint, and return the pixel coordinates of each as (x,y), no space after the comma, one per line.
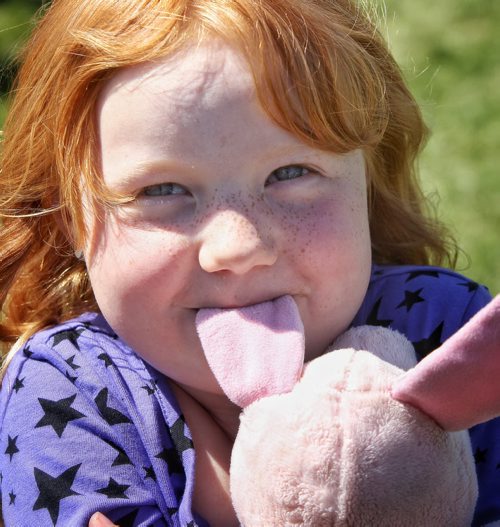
(321,69)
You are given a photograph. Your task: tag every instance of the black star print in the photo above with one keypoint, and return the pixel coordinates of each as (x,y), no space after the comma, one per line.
(129,519)
(106,359)
(71,378)
(121,458)
(181,442)
(411,298)
(12,497)
(111,415)
(191,524)
(54,489)
(425,346)
(416,274)
(172,510)
(471,286)
(12,447)
(150,389)
(71,363)
(171,458)
(58,414)
(27,352)
(96,329)
(68,334)
(18,384)
(480,455)
(373,319)
(150,473)
(114,490)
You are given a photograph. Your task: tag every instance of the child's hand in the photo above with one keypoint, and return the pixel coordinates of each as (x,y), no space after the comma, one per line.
(99,520)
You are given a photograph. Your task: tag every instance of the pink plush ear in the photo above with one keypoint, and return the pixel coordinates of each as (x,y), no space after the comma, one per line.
(458,384)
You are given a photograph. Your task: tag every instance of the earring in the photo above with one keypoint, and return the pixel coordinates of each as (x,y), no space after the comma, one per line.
(79,254)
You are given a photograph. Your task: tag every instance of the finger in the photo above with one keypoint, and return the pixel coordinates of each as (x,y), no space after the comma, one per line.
(99,520)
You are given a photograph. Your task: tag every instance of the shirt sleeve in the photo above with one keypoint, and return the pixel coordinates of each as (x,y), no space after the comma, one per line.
(68,451)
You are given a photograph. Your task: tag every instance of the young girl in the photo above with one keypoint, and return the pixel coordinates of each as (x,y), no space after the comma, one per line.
(164,156)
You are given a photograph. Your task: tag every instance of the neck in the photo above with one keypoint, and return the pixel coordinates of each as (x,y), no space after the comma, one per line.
(224,413)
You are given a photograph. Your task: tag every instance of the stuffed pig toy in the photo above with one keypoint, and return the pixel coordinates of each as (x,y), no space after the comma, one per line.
(350,439)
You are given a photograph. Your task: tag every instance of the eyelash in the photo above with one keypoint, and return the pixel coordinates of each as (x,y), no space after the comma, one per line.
(173,189)
(295,168)
(163,189)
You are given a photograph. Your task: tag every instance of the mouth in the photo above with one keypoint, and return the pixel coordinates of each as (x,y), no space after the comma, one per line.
(243,304)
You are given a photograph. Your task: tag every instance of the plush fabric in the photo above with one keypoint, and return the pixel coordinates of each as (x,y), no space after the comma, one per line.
(339,450)
(470,358)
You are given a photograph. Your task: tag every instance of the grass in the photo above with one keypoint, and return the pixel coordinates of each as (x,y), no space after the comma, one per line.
(15,26)
(448,51)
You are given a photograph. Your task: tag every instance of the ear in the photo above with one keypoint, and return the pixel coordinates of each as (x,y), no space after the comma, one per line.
(458,384)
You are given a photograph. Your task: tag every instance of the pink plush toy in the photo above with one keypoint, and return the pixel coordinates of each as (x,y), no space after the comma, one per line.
(353,440)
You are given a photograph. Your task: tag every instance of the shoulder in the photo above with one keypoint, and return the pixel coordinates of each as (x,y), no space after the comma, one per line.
(61,380)
(427,304)
(74,355)
(80,407)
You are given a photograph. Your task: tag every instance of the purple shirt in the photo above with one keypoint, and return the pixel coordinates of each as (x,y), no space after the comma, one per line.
(87,426)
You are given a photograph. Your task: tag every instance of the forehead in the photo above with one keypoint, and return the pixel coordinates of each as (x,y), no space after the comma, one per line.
(197,75)
(187,107)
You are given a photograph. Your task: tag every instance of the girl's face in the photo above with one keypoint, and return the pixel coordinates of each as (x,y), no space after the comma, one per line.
(230,210)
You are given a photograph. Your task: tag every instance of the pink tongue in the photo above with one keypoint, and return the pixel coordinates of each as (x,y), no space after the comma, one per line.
(253,351)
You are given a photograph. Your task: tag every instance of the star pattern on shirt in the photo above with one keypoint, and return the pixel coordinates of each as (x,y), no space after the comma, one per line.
(122,457)
(27,351)
(58,414)
(433,341)
(480,455)
(433,273)
(106,359)
(149,473)
(373,318)
(111,415)
(18,384)
(98,330)
(71,363)
(129,519)
(172,459)
(114,490)
(179,438)
(12,498)
(71,378)
(150,388)
(411,298)
(471,286)
(52,490)
(71,335)
(12,449)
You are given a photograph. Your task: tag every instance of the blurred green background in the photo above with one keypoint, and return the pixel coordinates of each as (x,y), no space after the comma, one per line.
(450,54)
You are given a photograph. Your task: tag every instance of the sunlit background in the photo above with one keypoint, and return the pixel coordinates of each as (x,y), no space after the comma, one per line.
(449,52)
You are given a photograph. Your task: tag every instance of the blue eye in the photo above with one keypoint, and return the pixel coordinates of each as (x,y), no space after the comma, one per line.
(163,189)
(287,173)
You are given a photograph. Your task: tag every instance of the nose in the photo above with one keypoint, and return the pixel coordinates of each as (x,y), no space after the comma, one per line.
(232,242)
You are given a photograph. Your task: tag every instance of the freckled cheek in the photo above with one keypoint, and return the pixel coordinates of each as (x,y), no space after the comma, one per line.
(333,228)
(134,260)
